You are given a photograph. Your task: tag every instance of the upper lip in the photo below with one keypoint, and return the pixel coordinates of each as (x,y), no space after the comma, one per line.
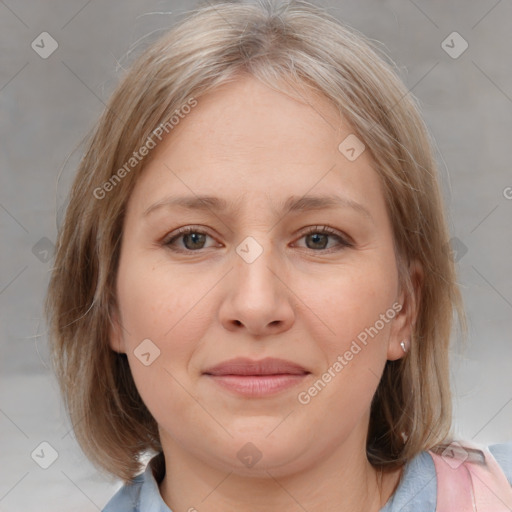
(245,366)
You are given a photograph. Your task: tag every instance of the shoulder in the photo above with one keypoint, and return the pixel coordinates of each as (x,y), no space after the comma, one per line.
(141,494)
(127,498)
(418,486)
(483,455)
(503,455)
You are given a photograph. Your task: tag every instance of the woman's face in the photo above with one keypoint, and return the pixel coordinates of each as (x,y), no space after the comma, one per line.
(257,278)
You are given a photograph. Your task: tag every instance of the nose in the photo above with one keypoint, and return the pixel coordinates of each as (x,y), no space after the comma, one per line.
(258,294)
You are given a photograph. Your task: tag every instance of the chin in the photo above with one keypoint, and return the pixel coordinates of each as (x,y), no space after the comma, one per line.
(257,454)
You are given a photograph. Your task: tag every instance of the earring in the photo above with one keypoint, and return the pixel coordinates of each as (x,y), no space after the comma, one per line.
(404,345)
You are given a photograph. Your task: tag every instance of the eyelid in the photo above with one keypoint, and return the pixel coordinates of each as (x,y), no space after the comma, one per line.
(177,233)
(322,228)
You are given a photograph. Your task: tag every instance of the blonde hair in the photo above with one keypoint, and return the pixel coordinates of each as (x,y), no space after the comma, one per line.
(277,42)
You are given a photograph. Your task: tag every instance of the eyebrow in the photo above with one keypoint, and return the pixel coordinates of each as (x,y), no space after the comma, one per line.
(292,204)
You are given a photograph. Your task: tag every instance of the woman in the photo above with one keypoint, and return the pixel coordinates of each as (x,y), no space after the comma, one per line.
(261,292)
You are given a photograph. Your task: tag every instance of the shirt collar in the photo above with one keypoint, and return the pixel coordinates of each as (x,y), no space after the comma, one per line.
(150,497)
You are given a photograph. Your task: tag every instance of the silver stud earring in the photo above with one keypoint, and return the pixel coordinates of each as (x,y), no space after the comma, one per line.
(404,346)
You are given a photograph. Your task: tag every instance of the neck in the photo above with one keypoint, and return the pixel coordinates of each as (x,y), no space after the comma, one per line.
(341,482)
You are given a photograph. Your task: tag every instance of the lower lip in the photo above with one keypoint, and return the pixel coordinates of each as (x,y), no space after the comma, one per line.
(257,385)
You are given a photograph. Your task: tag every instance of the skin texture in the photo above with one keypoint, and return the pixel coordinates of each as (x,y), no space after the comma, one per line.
(303,299)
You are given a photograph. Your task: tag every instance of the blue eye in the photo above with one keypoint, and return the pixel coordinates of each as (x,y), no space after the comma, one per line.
(194,239)
(319,236)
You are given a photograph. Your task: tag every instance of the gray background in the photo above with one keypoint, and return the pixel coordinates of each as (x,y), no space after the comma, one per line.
(48,105)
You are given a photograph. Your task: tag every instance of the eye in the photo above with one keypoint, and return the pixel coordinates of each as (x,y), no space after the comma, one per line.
(193,239)
(317,238)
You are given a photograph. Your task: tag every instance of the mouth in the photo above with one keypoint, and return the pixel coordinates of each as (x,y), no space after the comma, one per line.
(254,379)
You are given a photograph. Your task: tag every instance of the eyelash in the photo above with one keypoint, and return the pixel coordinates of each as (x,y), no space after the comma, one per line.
(325,230)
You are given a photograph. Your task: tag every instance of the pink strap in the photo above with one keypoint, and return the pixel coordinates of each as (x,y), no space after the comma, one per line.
(464,486)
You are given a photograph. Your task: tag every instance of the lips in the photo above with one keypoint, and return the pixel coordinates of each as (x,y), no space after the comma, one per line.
(257,379)
(247,367)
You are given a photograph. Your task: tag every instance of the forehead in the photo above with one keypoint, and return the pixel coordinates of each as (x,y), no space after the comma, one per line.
(245,139)
(251,117)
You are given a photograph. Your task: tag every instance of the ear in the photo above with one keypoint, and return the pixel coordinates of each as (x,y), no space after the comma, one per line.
(115,335)
(404,322)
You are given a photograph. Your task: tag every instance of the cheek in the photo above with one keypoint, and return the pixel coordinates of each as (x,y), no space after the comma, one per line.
(156,300)
(162,307)
(357,307)
(358,312)
(352,299)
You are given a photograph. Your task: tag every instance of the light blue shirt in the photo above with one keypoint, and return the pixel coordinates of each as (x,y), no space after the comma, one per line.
(416,490)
